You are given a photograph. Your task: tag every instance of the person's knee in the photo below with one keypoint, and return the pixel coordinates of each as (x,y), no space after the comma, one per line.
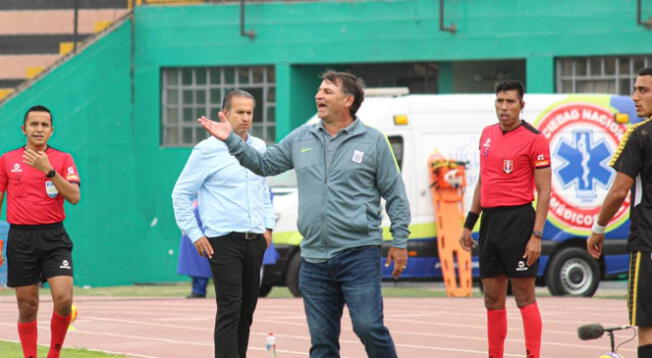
(492,303)
(494,300)
(62,302)
(523,291)
(27,308)
(366,327)
(644,335)
(524,298)
(495,290)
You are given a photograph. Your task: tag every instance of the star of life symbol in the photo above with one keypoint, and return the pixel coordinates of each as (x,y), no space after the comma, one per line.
(586,164)
(582,136)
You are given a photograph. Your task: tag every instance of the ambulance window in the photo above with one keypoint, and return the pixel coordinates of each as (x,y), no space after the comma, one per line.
(397,146)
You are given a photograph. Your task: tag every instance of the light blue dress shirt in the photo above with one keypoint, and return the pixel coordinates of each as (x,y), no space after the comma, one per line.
(231,197)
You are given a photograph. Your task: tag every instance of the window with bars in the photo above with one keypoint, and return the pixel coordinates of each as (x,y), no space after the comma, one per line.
(189,93)
(605,74)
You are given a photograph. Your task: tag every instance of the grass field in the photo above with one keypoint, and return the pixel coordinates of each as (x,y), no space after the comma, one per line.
(183,289)
(13,350)
(390,289)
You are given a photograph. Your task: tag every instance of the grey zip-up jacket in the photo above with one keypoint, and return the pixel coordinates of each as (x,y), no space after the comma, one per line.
(339,208)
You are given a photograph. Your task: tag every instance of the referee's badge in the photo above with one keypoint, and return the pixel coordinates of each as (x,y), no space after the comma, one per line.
(508,166)
(50,189)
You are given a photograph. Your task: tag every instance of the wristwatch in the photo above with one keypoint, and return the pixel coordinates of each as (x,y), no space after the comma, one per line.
(538,234)
(51,173)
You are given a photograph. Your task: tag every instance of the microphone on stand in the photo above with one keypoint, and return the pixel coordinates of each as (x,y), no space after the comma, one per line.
(595,330)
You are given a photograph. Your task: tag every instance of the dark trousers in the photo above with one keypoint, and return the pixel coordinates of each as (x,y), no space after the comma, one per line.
(236,274)
(199,285)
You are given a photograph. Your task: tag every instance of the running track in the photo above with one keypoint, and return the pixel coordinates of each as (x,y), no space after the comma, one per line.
(421,327)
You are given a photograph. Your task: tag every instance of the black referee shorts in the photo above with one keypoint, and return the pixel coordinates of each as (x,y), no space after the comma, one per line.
(37,252)
(504,234)
(639,297)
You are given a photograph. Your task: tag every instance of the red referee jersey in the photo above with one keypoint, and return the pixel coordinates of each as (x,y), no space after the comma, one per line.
(32,198)
(507,163)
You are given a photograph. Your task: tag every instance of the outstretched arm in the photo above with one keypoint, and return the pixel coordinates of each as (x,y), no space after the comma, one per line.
(276,160)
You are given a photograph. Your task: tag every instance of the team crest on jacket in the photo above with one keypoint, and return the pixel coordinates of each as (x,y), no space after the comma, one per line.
(508,166)
(583,138)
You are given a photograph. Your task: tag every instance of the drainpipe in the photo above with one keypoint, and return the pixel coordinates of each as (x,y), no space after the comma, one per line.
(452,28)
(251,33)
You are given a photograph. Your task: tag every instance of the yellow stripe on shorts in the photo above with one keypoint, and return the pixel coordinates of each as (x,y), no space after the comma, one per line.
(633,290)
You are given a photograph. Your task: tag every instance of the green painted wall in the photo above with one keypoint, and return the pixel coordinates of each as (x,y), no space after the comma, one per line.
(90,99)
(124,227)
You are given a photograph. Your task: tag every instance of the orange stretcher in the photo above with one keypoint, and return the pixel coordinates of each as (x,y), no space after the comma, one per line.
(448,182)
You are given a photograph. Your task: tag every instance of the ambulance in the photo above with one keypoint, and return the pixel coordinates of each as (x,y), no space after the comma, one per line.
(583,130)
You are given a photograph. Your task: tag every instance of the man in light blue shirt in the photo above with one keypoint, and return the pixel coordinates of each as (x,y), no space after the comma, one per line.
(237,214)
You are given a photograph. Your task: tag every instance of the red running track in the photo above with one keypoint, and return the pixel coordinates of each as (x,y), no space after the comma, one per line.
(421,327)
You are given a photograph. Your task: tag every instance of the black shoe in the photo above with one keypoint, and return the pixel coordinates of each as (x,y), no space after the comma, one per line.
(195,295)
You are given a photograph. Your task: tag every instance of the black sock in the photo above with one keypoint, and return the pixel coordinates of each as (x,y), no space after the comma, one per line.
(645,351)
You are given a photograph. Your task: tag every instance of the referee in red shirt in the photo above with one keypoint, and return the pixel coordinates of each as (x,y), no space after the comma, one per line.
(514,160)
(37,178)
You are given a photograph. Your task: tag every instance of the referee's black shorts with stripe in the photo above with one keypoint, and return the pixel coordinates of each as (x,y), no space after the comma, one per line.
(639,297)
(504,234)
(36,253)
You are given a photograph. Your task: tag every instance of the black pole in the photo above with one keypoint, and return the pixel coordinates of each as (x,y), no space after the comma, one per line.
(251,34)
(639,14)
(76,30)
(452,28)
(611,338)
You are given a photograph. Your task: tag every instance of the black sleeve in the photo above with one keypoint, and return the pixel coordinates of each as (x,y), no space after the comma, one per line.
(629,156)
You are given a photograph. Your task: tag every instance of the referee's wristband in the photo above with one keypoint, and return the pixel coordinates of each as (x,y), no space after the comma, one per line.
(471,218)
(597,228)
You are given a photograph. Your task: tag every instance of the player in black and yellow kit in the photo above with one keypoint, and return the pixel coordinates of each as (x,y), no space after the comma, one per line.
(633,164)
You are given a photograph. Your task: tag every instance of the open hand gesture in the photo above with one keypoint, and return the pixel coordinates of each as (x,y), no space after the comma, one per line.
(219,130)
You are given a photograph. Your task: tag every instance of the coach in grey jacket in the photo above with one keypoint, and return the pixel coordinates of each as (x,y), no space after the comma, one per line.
(343,169)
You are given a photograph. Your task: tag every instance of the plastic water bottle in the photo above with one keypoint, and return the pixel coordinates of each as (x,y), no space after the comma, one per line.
(270,345)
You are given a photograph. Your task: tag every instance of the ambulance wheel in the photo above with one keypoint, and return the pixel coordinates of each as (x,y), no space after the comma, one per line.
(573,272)
(292,274)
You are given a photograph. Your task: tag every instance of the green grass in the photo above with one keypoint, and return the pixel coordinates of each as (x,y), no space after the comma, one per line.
(13,350)
(390,289)
(183,289)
